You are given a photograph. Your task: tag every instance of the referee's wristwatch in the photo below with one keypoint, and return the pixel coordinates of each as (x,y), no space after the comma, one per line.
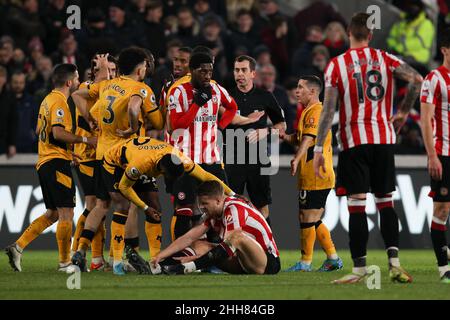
(318,149)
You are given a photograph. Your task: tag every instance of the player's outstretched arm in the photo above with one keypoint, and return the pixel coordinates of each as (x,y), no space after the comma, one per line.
(181,243)
(60,134)
(203,176)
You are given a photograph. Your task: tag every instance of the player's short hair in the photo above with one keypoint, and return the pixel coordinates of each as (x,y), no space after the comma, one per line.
(210,188)
(62,73)
(202,49)
(251,61)
(199,58)
(445,38)
(358,26)
(313,81)
(172,164)
(130,58)
(186,50)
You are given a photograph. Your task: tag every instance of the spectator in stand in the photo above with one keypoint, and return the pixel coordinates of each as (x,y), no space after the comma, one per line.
(203,10)
(6,54)
(23,22)
(188,27)
(267,75)
(412,37)
(275,38)
(262,55)
(54,19)
(8,118)
(39,81)
(318,13)
(319,61)
(155,30)
(213,38)
(336,39)
(68,52)
(270,12)
(27,113)
(302,58)
(95,37)
(125,32)
(244,34)
(36,50)
(171,7)
(234,6)
(138,11)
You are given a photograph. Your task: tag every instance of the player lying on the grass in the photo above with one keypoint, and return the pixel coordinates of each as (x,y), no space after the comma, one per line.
(142,158)
(53,167)
(435,98)
(313,191)
(247,243)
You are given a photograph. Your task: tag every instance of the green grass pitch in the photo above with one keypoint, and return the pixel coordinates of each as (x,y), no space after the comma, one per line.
(40,280)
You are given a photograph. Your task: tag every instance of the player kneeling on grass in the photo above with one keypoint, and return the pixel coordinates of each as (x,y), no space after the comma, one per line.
(313,191)
(247,243)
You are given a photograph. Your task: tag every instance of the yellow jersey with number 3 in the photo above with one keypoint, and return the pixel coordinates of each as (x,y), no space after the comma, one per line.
(113,98)
(308,125)
(54,111)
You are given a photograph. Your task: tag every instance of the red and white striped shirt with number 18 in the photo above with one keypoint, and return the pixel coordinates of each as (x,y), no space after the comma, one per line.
(364,79)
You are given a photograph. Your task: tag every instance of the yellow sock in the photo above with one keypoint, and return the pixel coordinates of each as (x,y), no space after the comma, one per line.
(78,230)
(33,230)
(172,227)
(308,237)
(97,242)
(118,235)
(63,237)
(324,237)
(153,231)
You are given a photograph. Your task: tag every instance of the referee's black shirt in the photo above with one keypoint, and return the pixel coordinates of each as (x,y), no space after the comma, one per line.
(255,100)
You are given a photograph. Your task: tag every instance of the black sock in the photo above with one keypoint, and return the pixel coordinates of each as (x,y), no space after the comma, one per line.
(215,255)
(359,234)
(86,212)
(439,243)
(132,242)
(389,227)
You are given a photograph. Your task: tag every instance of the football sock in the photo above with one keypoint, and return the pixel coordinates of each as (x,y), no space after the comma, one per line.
(153,231)
(79,228)
(85,240)
(358,231)
(98,241)
(215,255)
(307,239)
(132,242)
(182,223)
(33,230)
(438,238)
(324,237)
(63,237)
(118,235)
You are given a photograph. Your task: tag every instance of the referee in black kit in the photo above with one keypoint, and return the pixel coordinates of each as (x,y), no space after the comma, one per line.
(251,99)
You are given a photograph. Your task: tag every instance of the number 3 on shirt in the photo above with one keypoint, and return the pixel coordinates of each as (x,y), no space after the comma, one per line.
(111,100)
(374,91)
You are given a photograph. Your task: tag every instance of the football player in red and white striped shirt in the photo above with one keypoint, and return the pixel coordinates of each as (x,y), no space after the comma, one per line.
(194,116)
(247,243)
(362,80)
(435,123)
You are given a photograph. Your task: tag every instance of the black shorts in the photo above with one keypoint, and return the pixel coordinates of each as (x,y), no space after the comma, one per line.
(184,189)
(366,168)
(312,199)
(258,186)
(144,184)
(273,264)
(86,175)
(101,186)
(440,189)
(58,187)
